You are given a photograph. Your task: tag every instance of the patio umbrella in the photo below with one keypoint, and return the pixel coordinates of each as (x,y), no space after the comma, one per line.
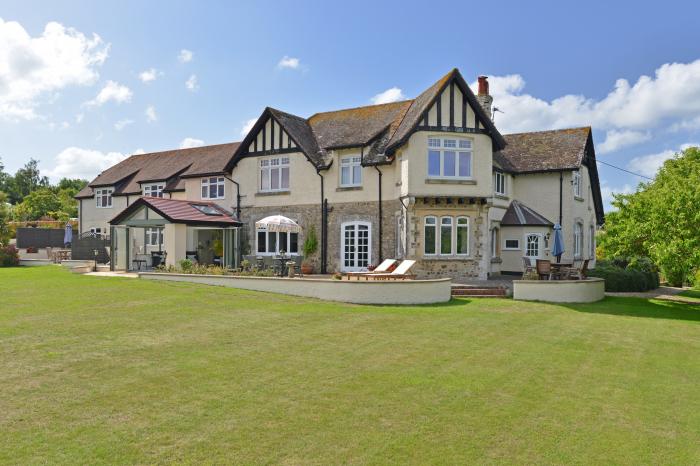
(68,235)
(278,223)
(558,244)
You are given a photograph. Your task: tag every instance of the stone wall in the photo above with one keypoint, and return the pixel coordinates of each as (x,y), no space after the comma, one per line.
(310,214)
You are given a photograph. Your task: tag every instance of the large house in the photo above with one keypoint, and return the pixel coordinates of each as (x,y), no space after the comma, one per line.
(430,178)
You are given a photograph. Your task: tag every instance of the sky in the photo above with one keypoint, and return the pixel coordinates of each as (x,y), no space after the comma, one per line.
(83,84)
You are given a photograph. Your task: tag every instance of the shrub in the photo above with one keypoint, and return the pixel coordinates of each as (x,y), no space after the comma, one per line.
(9,256)
(636,274)
(185,265)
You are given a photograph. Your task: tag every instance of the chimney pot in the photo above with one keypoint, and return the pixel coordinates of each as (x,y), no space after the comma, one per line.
(483,85)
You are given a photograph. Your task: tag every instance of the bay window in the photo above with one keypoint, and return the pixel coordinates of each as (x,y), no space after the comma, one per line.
(276,242)
(350,171)
(274,174)
(213,187)
(103,197)
(449,158)
(451,239)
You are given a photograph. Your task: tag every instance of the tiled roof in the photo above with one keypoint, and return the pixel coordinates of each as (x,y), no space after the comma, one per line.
(301,132)
(519,214)
(180,211)
(162,166)
(561,149)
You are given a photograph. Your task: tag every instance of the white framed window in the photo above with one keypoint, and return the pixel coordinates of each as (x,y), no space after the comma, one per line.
(103,198)
(532,245)
(96,231)
(356,249)
(153,189)
(213,187)
(576,182)
(275,242)
(274,174)
(578,239)
(499,183)
(462,236)
(430,235)
(154,236)
(449,158)
(447,237)
(511,245)
(591,233)
(351,171)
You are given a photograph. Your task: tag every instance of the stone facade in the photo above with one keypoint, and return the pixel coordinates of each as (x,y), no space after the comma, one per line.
(339,213)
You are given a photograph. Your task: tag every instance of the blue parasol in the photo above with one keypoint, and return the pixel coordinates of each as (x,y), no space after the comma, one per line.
(68,236)
(558,244)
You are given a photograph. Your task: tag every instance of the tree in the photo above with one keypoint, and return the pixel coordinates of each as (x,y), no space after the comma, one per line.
(661,220)
(4,219)
(72,184)
(26,180)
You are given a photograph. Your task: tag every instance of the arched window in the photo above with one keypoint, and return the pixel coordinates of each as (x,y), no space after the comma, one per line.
(430,235)
(578,239)
(446,235)
(463,235)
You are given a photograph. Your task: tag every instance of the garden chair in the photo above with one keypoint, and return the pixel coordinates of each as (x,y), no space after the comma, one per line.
(381,268)
(544,269)
(399,273)
(579,273)
(527,266)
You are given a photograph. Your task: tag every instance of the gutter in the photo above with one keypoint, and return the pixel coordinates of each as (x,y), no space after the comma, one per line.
(324,224)
(561,195)
(238,197)
(381,254)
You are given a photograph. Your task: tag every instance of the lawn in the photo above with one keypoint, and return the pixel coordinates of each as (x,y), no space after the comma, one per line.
(691,295)
(114,370)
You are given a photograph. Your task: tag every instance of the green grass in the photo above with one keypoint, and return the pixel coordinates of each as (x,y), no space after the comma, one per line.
(114,370)
(694,295)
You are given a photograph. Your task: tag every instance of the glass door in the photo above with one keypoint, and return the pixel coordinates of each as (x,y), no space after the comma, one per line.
(356,246)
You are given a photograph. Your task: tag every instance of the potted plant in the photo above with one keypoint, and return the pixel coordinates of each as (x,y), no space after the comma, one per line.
(309,248)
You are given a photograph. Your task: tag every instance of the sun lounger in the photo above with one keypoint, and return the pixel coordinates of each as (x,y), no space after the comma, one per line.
(381,268)
(400,273)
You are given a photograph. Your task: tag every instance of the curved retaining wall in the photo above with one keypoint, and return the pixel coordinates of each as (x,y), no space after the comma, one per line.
(560,291)
(346,291)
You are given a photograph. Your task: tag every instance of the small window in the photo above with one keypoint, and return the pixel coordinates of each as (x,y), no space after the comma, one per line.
(153,189)
(446,235)
(351,171)
(103,197)
(512,244)
(213,187)
(494,242)
(96,232)
(591,234)
(576,181)
(154,236)
(500,183)
(273,243)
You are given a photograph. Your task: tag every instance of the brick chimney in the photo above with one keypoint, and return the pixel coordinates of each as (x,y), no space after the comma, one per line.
(484,97)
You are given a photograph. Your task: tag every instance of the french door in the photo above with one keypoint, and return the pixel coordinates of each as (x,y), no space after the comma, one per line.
(356,245)
(533,245)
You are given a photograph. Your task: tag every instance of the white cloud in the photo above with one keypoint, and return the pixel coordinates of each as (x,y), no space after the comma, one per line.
(191,83)
(79,118)
(392,94)
(188,143)
(149,75)
(185,56)
(151,115)
(648,165)
(617,139)
(247,126)
(121,124)
(35,67)
(76,162)
(113,91)
(673,93)
(607,191)
(289,63)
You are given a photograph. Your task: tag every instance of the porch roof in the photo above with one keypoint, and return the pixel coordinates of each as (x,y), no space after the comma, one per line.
(518,214)
(179,211)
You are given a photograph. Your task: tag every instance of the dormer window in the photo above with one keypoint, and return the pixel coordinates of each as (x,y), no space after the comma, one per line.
(153,189)
(213,187)
(449,158)
(350,171)
(103,197)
